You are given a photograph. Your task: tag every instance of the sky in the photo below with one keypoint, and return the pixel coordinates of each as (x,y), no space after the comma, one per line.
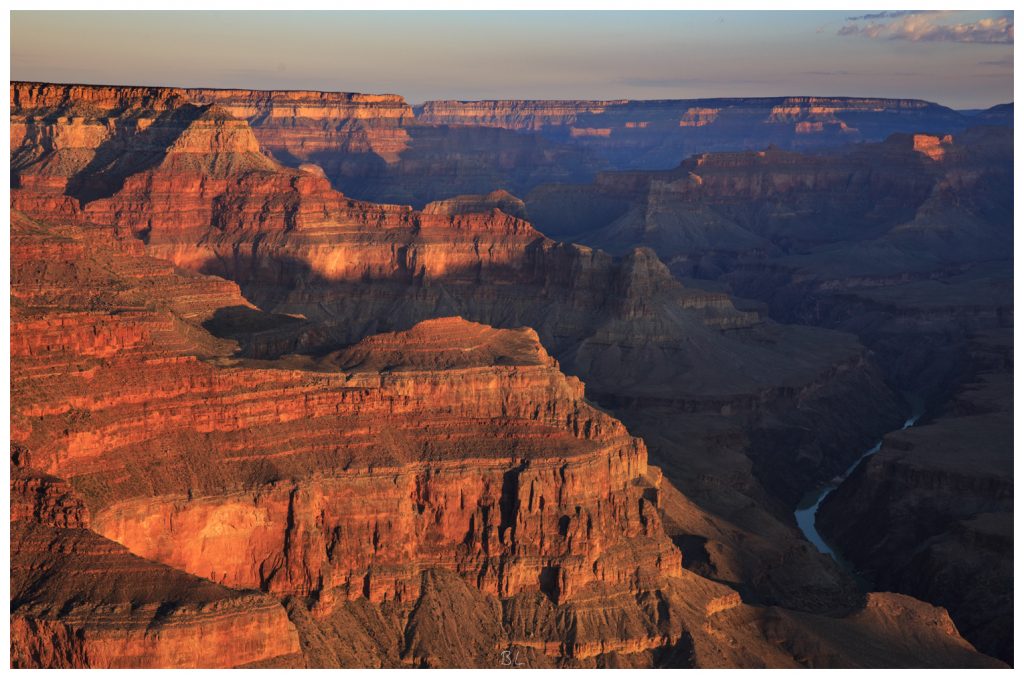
(960,59)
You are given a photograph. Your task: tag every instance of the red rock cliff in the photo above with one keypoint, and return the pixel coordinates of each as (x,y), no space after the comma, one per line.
(452,446)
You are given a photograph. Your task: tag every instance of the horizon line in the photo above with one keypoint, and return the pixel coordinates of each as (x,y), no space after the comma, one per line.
(14,81)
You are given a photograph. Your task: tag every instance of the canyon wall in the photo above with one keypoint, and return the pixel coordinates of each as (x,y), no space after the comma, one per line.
(377,147)
(931,514)
(654,134)
(352,510)
(327,270)
(717,211)
(347,424)
(450,446)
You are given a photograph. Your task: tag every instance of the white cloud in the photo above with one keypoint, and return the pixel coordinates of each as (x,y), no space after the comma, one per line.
(926,27)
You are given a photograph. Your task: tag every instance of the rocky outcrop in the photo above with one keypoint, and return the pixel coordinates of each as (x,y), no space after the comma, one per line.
(904,250)
(369,145)
(398,498)
(82,601)
(79,600)
(315,126)
(891,620)
(85,306)
(499,200)
(932,146)
(290,120)
(230,211)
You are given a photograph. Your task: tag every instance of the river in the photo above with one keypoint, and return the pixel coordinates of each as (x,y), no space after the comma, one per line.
(807,511)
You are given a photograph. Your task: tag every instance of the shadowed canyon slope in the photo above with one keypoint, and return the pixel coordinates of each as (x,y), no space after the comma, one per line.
(932,513)
(907,244)
(356,426)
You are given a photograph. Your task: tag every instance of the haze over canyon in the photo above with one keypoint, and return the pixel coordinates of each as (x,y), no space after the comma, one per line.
(316,379)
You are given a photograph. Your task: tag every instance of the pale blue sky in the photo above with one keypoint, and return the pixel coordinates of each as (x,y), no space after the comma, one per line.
(958,59)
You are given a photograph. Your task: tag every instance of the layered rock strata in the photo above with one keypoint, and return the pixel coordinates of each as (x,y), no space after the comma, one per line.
(377,147)
(329,270)
(657,133)
(451,446)
(381,493)
(717,212)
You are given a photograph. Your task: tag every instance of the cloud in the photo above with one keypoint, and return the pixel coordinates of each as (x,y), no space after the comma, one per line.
(889,15)
(924,27)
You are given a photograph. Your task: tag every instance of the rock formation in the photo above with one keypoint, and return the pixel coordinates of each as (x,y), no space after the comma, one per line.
(658,133)
(905,243)
(270,406)
(331,270)
(376,147)
(718,211)
(528,489)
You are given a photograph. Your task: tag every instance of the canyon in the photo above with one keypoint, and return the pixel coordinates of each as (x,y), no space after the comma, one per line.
(950,482)
(378,147)
(334,428)
(906,244)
